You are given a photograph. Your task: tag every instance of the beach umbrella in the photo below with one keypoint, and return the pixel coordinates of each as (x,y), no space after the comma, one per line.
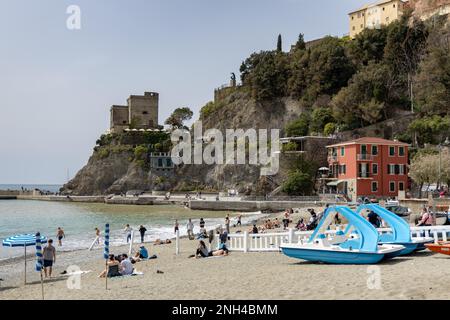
(106,253)
(23,240)
(39,260)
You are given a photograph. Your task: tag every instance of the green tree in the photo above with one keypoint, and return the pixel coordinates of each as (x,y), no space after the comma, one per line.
(265,74)
(300,44)
(319,118)
(432,129)
(299,127)
(178,117)
(363,101)
(368,46)
(329,129)
(279,44)
(432,83)
(327,70)
(298,183)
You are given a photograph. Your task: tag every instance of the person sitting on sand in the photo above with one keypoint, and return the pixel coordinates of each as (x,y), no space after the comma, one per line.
(203,234)
(276,223)
(312,224)
(426,218)
(254,229)
(126,267)
(143,253)
(203,252)
(301,226)
(112,268)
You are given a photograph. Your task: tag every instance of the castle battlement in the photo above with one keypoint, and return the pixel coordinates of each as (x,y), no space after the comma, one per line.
(141,112)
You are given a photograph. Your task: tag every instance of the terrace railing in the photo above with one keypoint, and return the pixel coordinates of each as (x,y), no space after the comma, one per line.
(270,242)
(364,157)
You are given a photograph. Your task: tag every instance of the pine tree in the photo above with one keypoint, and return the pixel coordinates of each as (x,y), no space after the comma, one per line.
(300,45)
(279,44)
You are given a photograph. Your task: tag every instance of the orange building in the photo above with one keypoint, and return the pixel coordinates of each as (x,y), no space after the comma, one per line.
(371,167)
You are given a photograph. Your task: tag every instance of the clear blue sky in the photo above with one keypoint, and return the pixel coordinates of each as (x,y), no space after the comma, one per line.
(57,85)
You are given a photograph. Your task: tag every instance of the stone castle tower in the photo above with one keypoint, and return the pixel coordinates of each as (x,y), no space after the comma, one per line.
(140,113)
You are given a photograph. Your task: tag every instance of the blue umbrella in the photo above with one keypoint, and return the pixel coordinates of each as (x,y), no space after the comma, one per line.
(23,240)
(106,253)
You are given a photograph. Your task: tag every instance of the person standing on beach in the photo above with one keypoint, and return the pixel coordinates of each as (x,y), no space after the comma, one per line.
(239,220)
(227,223)
(128,230)
(49,255)
(190,229)
(60,235)
(176,228)
(202,223)
(142,231)
(97,236)
(286,220)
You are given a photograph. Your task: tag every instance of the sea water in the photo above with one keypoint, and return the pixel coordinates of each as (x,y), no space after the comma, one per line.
(79,220)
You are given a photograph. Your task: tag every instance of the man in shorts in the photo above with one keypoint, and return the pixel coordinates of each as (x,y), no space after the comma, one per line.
(49,255)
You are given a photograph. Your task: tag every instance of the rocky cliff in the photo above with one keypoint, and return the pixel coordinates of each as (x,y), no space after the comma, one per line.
(117,166)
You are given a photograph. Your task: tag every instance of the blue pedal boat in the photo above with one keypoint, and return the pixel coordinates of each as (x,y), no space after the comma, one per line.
(400,231)
(342,249)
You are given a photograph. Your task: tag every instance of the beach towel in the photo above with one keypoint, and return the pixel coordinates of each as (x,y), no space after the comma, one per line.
(75,273)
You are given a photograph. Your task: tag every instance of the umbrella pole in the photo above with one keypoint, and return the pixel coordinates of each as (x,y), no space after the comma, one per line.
(25,272)
(106,276)
(42,286)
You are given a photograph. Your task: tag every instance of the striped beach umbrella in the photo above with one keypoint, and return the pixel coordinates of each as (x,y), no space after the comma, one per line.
(23,240)
(106,253)
(39,260)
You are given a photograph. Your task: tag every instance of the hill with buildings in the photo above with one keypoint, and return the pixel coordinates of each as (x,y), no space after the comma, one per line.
(389,81)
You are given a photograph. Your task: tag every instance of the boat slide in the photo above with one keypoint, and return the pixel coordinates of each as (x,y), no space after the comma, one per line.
(400,234)
(342,249)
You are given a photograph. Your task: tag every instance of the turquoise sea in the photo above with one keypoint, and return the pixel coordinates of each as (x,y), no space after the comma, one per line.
(43,187)
(79,220)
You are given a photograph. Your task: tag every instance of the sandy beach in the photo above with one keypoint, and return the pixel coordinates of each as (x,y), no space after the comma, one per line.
(237,276)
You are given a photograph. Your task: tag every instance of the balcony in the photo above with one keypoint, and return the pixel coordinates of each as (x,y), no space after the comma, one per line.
(364,175)
(332,158)
(364,157)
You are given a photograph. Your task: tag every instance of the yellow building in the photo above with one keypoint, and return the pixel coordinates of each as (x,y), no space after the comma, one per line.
(375,15)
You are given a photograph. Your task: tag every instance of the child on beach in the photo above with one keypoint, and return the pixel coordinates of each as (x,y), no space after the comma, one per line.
(60,235)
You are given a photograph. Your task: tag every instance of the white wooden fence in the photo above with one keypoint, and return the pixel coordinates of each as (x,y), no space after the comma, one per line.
(266,242)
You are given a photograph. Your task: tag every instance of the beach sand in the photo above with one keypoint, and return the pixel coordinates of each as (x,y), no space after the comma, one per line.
(238,276)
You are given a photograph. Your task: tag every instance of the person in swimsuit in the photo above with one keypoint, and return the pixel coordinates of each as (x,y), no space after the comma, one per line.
(177,226)
(60,235)
(49,255)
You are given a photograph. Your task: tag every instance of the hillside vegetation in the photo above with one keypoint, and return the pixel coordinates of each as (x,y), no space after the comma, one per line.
(345,84)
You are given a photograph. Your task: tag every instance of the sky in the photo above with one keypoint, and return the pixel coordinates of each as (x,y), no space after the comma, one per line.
(57,85)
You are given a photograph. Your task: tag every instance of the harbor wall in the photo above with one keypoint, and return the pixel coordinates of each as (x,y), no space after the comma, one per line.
(250,206)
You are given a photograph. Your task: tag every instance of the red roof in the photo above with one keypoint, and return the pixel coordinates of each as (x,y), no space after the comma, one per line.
(370,140)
